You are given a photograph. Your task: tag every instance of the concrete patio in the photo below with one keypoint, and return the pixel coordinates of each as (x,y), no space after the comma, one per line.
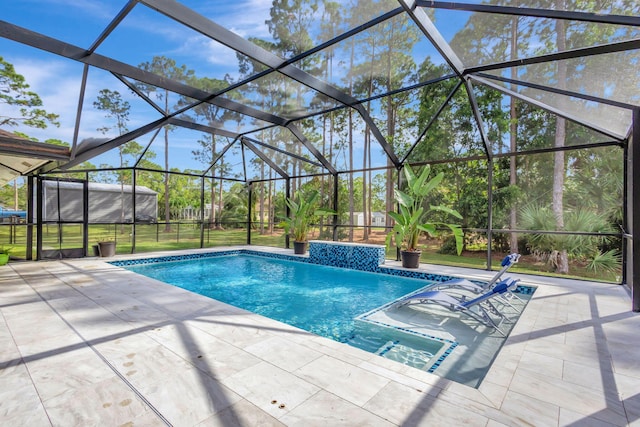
(86,343)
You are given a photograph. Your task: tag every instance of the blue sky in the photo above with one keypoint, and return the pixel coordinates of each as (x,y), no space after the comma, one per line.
(142,35)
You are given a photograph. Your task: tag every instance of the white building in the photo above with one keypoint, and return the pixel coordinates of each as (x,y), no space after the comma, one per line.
(377,219)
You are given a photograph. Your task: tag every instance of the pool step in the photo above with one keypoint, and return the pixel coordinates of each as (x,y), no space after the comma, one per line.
(395,350)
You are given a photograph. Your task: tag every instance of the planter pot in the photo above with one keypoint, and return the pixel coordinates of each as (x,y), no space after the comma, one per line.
(299,248)
(96,250)
(107,249)
(4,259)
(411,259)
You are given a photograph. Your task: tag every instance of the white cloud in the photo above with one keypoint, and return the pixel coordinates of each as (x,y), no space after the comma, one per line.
(248,20)
(58,83)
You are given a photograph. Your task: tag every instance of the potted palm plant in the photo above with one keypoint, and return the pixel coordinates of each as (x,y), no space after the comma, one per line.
(302,211)
(411,221)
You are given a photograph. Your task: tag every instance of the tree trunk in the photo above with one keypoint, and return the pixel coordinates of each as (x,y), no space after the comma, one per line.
(390,137)
(366,190)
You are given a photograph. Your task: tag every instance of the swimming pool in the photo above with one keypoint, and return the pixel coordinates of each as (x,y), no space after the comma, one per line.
(320,299)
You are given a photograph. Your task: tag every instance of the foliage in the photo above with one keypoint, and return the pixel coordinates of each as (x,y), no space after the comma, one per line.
(410,221)
(584,248)
(14,92)
(168,68)
(303,210)
(608,261)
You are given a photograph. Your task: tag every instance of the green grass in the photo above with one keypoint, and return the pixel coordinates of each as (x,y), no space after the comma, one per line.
(153,237)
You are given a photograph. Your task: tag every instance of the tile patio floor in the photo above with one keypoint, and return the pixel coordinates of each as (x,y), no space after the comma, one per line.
(85,343)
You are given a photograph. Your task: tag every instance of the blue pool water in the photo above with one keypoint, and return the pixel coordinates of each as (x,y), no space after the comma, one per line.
(323,300)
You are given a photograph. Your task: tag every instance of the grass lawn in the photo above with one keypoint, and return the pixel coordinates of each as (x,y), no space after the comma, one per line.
(155,237)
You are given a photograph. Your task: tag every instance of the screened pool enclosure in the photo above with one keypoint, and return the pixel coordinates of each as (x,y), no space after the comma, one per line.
(223,109)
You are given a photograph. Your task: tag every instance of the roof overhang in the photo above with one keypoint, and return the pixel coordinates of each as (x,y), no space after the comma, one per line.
(20,156)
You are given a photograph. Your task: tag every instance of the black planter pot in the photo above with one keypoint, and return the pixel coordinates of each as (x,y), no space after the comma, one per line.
(411,259)
(299,248)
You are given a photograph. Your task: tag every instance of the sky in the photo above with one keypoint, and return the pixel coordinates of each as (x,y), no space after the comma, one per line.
(144,34)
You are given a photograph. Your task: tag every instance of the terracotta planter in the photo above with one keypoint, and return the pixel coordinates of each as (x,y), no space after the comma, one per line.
(300,248)
(107,249)
(411,259)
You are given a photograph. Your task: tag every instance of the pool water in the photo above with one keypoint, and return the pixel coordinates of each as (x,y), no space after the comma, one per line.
(323,300)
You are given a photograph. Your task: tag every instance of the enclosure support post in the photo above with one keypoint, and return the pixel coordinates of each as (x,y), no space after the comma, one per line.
(39,192)
(489,210)
(30,216)
(287,211)
(335,207)
(634,278)
(202,212)
(85,217)
(133,213)
(398,255)
(249,213)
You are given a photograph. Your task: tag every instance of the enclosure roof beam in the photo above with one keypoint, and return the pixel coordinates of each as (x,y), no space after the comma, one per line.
(560,56)
(230,39)
(303,139)
(141,94)
(423,22)
(546,107)
(203,128)
(205,26)
(220,155)
(318,48)
(144,152)
(39,41)
(112,25)
(378,135)
(112,143)
(564,92)
(263,157)
(432,121)
(478,117)
(76,126)
(533,12)
(285,152)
